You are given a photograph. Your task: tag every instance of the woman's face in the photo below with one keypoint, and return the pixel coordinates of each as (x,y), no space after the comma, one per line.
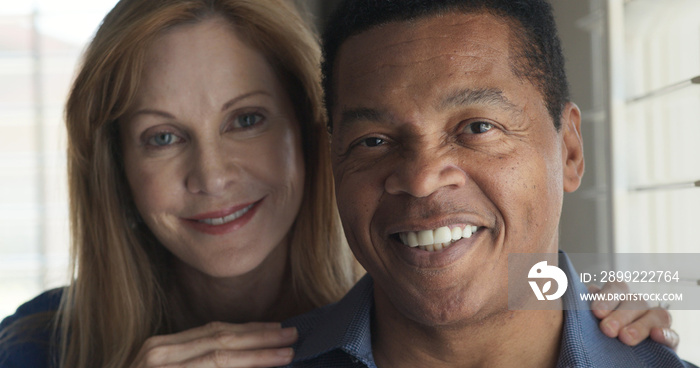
(212,151)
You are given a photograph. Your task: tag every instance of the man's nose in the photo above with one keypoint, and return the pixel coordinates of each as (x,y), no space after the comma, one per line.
(210,170)
(424,172)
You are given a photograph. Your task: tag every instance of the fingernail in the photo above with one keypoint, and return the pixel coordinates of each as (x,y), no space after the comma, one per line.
(667,334)
(289,332)
(612,326)
(632,332)
(286,352)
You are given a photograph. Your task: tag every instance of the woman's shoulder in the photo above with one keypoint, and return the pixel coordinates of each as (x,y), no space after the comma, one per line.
(47,301)
(26,336)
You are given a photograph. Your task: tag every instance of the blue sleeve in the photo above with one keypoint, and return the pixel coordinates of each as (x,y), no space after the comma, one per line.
(29,343)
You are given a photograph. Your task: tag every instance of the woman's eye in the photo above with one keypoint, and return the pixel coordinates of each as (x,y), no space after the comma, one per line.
(372,142)
(248,120)
(478,127)
(163,139)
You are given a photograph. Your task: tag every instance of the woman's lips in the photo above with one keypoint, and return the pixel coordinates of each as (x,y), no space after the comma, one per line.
(222,222)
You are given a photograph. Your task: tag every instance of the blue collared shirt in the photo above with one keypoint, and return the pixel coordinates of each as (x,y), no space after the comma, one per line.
(339,335)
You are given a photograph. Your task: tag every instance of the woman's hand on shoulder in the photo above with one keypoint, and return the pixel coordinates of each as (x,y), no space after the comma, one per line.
(632,321)
(220,344)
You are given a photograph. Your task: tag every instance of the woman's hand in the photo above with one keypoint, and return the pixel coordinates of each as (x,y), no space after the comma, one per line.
(632,321)
(220,344)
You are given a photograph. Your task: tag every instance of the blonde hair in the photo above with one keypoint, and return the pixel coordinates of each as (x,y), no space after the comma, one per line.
(116,299)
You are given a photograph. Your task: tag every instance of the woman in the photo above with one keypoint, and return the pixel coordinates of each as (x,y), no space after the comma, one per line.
(160,153)
(200,192)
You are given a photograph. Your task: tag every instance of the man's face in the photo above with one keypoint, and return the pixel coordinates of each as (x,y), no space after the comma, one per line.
(433,133)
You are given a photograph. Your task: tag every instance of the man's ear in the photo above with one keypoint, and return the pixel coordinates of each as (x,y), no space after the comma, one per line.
(572,147)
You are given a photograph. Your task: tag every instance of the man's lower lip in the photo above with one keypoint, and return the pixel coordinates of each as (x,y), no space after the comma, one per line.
(224,228)
(425,259)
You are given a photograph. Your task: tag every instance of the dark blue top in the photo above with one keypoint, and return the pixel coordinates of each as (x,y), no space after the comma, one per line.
(339,335)
(31,350)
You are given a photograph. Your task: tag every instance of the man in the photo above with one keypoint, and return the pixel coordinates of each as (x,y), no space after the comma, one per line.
(453,140)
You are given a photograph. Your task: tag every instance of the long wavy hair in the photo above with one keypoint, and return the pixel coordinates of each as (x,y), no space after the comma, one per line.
(116,298)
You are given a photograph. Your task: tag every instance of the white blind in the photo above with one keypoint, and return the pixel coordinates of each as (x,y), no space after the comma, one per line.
(662,54)
(655,48)
(40,44)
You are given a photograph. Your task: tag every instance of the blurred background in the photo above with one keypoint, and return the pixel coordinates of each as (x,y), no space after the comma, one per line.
(633,66)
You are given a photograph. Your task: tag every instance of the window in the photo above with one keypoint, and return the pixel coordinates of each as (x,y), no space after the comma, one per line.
(654,61)
(40,45)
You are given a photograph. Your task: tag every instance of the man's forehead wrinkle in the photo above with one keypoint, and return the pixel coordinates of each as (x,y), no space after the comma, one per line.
(482,96)
(468,63)
(387,51)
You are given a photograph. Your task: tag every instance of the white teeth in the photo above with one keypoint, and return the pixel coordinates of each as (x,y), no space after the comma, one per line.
(467,232)
(229,218)
(442,235)
(438,239)
(425,237)
(411,239)
(456,233)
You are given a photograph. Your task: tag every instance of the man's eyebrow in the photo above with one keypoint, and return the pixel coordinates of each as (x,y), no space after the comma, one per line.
(350,116)
(482,96)
(462,97)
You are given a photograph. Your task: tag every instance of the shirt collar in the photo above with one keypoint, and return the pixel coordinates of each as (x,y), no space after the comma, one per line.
(572,351)
(344,325)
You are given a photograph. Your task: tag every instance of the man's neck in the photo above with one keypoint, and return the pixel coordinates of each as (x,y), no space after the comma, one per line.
(526,338)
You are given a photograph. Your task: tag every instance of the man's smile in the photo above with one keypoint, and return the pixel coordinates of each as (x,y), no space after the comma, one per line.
(436,239)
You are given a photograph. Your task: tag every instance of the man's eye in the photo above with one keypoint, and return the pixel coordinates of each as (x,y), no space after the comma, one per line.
(248,120)
(478,127)
(163,139)
(371,142)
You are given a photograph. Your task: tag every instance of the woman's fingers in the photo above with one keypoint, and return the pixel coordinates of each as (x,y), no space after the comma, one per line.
(220,342)
(601,308)
(665,336)
(241,358)
(641,328)
(632,321)
(618,319)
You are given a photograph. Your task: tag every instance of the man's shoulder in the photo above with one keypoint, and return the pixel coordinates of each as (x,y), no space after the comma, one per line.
(657,355)
(584,344)
(25,336)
